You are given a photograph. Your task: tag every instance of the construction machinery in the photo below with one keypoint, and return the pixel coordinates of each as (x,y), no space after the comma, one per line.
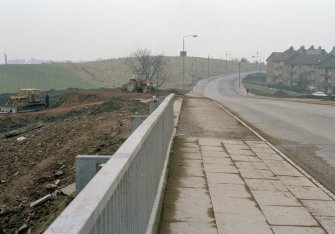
(138,85)
(25,101)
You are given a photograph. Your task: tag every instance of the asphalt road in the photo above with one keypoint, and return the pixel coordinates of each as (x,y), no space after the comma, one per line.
(304,132)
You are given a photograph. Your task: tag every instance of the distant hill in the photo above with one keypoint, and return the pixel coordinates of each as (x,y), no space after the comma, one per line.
(107,73)
(42,76)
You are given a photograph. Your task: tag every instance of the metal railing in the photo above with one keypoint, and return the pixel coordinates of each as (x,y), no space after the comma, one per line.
(120,198)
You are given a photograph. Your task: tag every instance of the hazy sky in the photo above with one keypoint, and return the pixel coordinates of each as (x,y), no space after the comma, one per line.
(88,30)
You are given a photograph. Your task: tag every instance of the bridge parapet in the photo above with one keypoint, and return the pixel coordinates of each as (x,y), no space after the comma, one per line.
(122,197)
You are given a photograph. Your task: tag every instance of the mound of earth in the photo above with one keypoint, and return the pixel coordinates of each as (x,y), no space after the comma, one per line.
(40,162)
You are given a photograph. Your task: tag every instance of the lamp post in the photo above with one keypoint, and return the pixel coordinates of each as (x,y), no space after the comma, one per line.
(183,54)
(257,55)
(227,61)
(239,74)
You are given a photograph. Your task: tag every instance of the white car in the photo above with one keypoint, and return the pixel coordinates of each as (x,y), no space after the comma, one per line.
(319,94)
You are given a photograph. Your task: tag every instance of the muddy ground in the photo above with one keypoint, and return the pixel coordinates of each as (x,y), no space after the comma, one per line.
(93,122)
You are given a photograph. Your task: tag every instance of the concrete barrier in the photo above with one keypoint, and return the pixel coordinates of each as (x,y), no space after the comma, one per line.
(121,197)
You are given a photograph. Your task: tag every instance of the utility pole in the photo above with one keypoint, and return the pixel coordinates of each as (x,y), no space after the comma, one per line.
(227,61)
(258,61)
(5,58)
(239,74)
(208,67)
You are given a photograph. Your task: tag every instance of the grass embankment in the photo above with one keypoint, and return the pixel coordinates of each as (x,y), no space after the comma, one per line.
(111,73)
(257,85)
(42,76)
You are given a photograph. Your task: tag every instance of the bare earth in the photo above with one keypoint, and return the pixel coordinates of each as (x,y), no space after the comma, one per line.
(94,122)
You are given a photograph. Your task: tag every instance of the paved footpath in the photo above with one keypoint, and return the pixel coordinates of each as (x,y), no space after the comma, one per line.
(224,179)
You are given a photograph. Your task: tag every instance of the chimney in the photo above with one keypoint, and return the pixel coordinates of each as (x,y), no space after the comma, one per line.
(320,48)
(302,50)
(333,51)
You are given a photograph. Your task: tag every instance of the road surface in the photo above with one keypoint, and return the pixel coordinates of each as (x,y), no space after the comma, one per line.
(304,132)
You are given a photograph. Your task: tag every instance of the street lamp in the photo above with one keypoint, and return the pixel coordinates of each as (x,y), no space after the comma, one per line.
(183,54)
(227,61)
(239,72)
(257,61)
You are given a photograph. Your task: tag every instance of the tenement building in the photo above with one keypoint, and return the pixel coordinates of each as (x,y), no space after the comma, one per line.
(312,69)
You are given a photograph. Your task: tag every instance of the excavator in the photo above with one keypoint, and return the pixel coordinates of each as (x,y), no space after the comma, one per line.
(25,101)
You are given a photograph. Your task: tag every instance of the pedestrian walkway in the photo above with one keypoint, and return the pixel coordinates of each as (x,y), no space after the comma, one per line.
(224,179)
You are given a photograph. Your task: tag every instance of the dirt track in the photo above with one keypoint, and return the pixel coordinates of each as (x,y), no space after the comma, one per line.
(88,122)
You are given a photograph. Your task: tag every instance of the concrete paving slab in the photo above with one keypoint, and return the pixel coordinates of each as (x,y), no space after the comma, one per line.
(282,168)
(257,174)
(244,158)
(320,208)
(251,165)
(223,178)
(327,223)
(288,216)
(260,147)
(188,228)
(210,142)
(272,156)
(188,163)
(237,147)
(217,160)
(241,224)
(183,208)
(259,144)
(240,152)
(214,154)
(220,168)
(188,139)
(309,193)
(188,182)
(275,198)
(187,172)
(229,190)
(234,205)
(296,181)
(297,230)
(211,148)
(265,185)
(264,150)
(232,142)
(188,150)
(188,194)
(255,142)
(189,155)
(189,145)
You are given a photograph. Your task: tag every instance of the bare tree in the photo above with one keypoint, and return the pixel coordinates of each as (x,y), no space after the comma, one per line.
(143,65)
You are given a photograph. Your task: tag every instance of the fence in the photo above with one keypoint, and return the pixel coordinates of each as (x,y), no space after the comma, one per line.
(121,197)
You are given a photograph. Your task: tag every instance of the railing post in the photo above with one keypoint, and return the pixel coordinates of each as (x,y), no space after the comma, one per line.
(86,168)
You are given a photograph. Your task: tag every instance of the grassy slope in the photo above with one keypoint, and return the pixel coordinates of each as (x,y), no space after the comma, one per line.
(107,73)
(43,76)
(262,90)
(113,73)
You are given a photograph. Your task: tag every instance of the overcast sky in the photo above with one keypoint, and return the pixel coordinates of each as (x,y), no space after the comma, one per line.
(88,30)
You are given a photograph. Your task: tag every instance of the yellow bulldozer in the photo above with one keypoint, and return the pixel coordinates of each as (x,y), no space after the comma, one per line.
(25,101)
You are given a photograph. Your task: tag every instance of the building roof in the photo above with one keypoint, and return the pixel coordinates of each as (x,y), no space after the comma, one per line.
(282,56)
(333,51)
(308,59)
(329,63)
(313,50)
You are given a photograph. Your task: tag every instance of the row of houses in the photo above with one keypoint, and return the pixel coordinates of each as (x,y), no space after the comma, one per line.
(313,68)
